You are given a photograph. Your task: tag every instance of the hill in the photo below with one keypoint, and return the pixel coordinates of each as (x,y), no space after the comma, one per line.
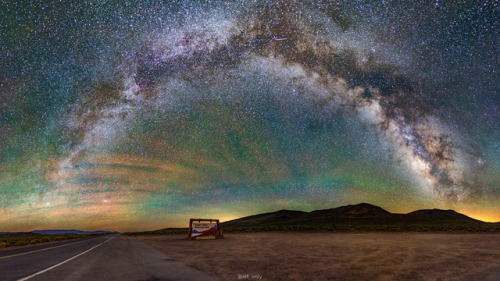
(359,217)
(69,231)
(9,239)
(438,215)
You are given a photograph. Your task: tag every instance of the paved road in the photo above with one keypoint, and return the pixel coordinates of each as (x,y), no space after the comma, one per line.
(109,257)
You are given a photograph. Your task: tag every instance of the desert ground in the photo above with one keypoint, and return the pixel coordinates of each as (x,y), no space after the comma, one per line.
(339,256)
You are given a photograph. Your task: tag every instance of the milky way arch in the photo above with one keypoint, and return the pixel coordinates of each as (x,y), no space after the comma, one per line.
(309,48)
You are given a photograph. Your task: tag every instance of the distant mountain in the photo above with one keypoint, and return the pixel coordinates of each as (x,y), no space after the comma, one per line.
(69,231)
(437,214)
(273,217)
(363,210)
(360,217)
(16,233)
(350,212)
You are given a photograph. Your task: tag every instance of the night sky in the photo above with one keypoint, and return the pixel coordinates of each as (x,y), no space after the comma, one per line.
(138,115)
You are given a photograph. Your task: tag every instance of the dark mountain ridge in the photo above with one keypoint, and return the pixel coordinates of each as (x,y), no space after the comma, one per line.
(59,232)
(69,231)
(359,216)
(438,214)
(352,211)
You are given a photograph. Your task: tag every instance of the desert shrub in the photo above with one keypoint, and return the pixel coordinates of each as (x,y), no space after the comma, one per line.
(45,239)
(20,243)
(4,244)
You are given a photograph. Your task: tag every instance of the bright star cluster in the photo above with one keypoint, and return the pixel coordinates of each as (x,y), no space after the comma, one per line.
(134,115)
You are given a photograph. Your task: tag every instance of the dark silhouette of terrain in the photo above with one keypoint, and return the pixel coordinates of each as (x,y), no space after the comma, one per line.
(9,239)
(70,231)
(360,217)
(59,232)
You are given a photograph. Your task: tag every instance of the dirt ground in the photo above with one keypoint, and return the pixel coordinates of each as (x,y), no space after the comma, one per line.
(339,256)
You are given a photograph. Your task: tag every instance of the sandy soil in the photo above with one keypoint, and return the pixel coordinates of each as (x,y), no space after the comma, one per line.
(339,256)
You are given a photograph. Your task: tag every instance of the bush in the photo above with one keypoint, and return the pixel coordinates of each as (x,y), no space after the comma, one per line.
(20,243)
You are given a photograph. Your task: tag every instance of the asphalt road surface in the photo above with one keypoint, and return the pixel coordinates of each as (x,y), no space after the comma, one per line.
(109,257)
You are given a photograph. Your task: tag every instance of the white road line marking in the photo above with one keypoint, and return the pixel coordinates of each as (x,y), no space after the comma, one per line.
(45,249)
(63,262)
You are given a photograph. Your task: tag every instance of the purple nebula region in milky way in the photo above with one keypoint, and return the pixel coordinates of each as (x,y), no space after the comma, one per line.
(139,115)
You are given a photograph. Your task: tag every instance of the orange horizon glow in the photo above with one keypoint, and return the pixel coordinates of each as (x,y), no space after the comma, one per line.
(493,218)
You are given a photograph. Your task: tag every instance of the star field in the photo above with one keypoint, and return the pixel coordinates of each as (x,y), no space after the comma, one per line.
(139,115)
